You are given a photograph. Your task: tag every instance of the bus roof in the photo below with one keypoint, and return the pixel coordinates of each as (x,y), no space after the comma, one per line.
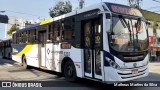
(29,27)
(34,25)
(113,8)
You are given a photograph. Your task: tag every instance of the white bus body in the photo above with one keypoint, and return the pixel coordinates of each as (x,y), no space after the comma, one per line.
(91,49)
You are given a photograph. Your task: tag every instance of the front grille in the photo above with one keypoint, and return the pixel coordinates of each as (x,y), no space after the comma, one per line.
(133,58)
(132,76)
(131,73)
(129,56)
(126,73)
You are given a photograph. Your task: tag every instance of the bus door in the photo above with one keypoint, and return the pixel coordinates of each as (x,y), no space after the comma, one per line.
(92,48)
(42,48)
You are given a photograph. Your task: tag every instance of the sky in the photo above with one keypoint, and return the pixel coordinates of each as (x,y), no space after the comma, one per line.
(34,9)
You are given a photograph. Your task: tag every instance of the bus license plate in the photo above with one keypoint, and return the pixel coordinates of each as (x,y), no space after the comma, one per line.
(135,71)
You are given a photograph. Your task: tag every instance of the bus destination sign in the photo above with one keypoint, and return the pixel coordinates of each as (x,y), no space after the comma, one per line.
(121,9)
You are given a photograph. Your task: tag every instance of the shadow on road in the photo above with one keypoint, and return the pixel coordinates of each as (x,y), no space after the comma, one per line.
(6,61)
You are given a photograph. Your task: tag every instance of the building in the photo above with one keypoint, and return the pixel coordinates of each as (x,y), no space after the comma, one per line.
(154,33)
(19,22)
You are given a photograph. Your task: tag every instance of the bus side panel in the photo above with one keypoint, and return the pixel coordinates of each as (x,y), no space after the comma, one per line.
(76,56)
(30,51)
(55,56)
(17,58)
(32,56)
(50,61)
(15,50)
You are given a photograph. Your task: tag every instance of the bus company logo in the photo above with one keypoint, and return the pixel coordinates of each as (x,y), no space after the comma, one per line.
(134,64)
(48,50)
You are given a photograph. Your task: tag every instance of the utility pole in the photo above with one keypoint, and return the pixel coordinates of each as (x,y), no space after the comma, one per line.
(81,3)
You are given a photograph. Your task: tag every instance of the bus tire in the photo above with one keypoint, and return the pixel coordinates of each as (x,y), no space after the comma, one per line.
(24,62)
(70,71)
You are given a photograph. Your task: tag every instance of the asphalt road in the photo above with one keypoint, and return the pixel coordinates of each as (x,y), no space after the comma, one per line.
(12,71)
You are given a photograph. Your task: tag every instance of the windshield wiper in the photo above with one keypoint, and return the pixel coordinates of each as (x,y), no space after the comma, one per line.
(133,34)
(137,28)
(129,28)
(127,24)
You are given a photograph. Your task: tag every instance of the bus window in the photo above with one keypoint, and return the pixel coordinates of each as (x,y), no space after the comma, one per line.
(34,36)
(67,35)
(56,31)
(17,38)
(42,38)
(24,37)
(20,36)
(14,39)
(50,34)
(29,36)
(67,29)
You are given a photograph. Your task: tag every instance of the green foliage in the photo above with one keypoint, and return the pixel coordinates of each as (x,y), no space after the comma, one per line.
(152,17)
(60,8)
(12,29)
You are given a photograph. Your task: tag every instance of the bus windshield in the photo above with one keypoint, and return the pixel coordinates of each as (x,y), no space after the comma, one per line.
(129,34)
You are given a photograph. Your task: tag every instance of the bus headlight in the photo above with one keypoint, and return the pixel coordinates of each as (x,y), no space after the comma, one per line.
(113,64)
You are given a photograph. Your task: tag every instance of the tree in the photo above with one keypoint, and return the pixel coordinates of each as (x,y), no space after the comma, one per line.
(60,8)
(12,29)
(155,17)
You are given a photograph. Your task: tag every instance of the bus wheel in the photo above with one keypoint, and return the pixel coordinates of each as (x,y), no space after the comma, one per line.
(24,64)
(70,71)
